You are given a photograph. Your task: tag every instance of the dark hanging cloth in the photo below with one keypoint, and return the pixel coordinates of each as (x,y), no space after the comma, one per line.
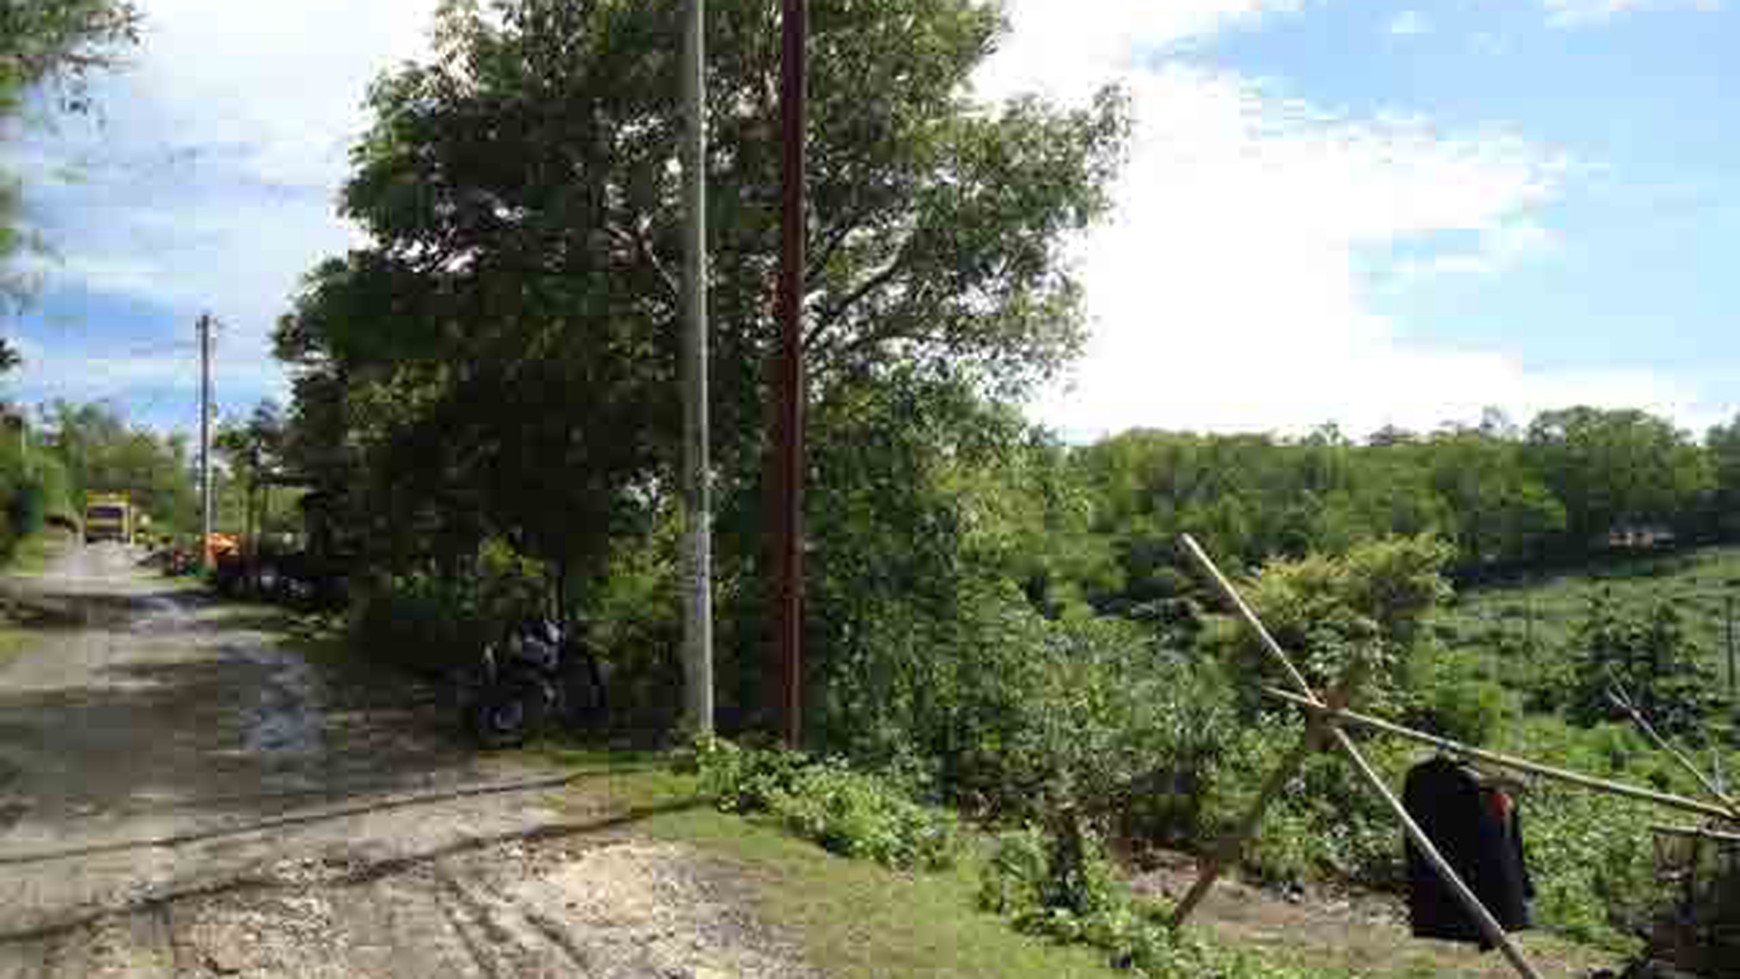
(1476,827)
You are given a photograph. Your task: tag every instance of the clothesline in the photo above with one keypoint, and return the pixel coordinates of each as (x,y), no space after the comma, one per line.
(1326,716)
(1664,799)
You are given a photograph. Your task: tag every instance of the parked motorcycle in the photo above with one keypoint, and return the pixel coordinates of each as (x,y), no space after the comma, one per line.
(539,675)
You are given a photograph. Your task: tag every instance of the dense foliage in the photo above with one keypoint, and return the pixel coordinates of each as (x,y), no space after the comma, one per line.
(995,620)
(498,364)
(103,453)
(1574,483)
(848,812)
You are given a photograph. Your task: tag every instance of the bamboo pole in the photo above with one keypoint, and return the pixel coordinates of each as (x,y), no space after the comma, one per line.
(1232,846)
(1507,761)
(1697,831)
(1327,718)
(1621,698)
(1256,625)
(1489,925)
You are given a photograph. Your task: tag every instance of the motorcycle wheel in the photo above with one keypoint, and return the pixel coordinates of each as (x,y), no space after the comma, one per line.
(506,714)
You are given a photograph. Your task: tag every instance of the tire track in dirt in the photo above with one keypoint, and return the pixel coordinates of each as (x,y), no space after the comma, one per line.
(187,800)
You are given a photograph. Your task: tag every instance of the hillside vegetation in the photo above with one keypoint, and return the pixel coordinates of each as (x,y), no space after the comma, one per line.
(996,622)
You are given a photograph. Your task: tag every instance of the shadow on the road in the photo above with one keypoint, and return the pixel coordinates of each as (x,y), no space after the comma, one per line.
(54,611)
(299,819)
(376,871)
(237,715)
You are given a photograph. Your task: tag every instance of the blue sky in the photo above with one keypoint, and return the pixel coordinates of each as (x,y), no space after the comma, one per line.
(1334,209)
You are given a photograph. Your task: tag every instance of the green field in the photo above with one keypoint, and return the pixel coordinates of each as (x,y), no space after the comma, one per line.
(1541,612)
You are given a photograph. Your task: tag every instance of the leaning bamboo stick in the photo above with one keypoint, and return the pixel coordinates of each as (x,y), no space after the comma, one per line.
(1256,625)
(1697,831)
(1507,761)
(1232,846)
(1622,699)
(1489,925)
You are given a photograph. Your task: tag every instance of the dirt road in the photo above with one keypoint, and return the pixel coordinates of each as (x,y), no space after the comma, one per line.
(178,797)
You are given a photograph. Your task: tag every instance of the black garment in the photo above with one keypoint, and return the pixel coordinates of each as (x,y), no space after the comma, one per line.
(1475,827)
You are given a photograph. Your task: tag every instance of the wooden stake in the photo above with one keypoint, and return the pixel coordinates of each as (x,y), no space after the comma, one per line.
(1326,717)
(1697,831)
(1232,846)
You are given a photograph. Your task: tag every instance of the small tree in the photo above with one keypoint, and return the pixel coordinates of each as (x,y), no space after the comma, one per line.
(1649,654)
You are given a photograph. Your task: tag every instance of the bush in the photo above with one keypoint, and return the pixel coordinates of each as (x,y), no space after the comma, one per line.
(1063,887)
(847,812)
(1326,611)
(1035,716)
(419,621)
(1464,710)
(1325,822)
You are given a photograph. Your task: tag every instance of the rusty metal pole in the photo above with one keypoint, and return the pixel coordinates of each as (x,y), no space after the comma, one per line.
(790,412)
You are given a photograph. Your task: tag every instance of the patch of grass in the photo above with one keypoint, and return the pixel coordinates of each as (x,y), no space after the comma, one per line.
(12,642)
(859,921)
(854,918)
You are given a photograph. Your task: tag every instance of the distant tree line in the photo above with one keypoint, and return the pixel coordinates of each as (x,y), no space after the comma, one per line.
(1571,483)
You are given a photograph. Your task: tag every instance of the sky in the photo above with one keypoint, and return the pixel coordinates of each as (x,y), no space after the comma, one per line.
(1346,211)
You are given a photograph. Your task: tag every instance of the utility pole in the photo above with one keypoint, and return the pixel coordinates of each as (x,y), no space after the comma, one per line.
(697,497)
(789,415)
(204,327)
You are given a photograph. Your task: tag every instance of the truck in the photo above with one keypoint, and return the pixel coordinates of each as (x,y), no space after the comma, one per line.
(109,517)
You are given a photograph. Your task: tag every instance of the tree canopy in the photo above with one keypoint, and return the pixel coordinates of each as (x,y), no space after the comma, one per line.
(509,340)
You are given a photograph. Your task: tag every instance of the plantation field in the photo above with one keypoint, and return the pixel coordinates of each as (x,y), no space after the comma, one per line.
(1539,613)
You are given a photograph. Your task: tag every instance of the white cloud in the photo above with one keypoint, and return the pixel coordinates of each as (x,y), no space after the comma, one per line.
(1226,292)
(1070,48)
(1577,13)
(208,179)
(287,79)
(1498,249)
(158,381)
(1409,23)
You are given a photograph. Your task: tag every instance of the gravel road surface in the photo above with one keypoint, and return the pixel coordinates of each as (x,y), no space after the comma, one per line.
(180,797)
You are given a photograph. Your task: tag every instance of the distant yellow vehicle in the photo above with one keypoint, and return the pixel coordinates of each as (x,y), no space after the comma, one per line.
(109,516)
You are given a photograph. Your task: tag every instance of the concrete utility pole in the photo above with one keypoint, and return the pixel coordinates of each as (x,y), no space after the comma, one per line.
(789,416)
(697,496)
(204,327)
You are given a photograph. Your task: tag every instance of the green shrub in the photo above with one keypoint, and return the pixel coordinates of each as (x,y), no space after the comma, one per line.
(847,812)
(1030,716)
(417,621)
(1062,886)
(1465,710)
(430,623)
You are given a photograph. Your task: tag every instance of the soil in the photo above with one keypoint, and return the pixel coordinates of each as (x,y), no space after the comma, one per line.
(1361,931)
(181,798)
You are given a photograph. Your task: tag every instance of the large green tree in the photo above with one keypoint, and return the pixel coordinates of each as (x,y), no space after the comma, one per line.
(1723,443)
(518,309)
(102,452)
(1611,469)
